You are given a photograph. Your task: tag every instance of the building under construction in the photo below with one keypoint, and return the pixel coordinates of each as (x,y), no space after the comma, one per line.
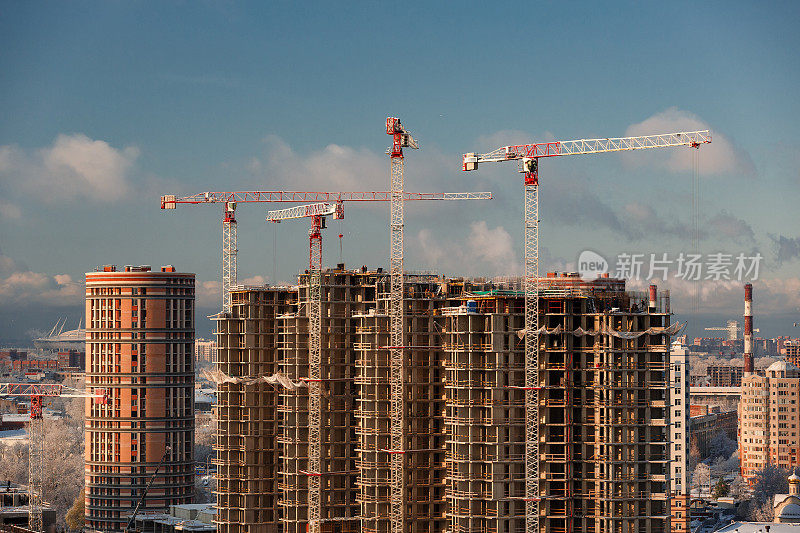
(423,455)
(247,411)
(603,407)
(344,295)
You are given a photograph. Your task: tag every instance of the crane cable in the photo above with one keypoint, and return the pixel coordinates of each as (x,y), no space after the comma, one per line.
(696,225)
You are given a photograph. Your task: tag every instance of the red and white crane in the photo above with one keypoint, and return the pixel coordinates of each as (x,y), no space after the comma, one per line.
(317,213)
(401,138)
(36,471)
(528,155)
(230,199)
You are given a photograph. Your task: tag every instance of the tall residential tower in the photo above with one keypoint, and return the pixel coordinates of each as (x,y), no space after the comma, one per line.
(140,353)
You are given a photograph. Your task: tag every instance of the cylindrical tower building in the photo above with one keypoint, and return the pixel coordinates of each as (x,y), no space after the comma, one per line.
(140,356)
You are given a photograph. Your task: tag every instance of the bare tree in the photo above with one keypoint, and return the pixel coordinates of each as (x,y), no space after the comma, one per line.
(14,463)
(63,460)
(768,482)
(64,467)
(203,453)
(738,488)
(763,512)
(722,466)
(763,362)
(694,452)
(701,476)
(721,446)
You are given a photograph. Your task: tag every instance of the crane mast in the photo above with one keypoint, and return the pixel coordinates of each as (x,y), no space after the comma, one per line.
(528,155)
(230,254)
(36,469)
(316,212)
(397,490)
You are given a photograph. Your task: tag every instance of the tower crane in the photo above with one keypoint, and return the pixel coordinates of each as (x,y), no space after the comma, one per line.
(230,199)
(317,213)
(528,155)
(732,328)
(401,138)
(36,473)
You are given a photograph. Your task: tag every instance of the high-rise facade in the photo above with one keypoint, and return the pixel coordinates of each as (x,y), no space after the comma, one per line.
(679,438)
(769,421)
(423,455)
(484,383)
(343,296)
(247,411)
(604,415)
(205,351)
(140,358)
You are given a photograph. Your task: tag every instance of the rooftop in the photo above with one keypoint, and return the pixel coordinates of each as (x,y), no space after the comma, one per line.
(759,527)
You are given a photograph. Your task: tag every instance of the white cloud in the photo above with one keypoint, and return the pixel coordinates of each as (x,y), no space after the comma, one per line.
(208,294)
(486,252)
(26,288)
(337,167)
(730,226)
(74,167)
(770,296)
(643,221)
(430,249)
(719,157)
(9,211)
(494,247)
(333,168)
(255,280)
(787,247)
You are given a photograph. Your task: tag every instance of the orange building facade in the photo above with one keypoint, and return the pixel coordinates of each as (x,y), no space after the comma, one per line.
(769,419)
(140,365)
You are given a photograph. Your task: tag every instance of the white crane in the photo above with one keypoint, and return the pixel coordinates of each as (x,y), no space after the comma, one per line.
(397,364)
(230,199)
(317,213)
(528,155)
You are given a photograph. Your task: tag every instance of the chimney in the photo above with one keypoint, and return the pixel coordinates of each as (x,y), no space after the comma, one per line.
(653,298)
(748,329)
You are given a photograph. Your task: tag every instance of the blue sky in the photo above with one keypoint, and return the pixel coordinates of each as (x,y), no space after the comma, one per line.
(108,105)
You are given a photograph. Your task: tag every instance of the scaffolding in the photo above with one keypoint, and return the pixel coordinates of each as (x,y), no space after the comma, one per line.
(343,295)
(248,419)
(485,415)
(422,446)
(602,407)
(604,415)
(602,410)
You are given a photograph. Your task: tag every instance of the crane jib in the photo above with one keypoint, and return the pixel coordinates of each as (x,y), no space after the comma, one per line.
(589,146)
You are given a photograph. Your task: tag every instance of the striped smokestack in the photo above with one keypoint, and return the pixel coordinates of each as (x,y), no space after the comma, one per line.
(748,329)
(653,297)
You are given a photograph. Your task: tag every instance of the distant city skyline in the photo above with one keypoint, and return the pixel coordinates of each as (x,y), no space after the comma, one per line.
(107,106)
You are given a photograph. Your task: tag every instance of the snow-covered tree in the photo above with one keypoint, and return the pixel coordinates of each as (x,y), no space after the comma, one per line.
(701,476)
(721,446)
(739,488)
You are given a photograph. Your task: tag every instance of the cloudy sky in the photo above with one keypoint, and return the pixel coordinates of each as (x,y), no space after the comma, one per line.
(108,105)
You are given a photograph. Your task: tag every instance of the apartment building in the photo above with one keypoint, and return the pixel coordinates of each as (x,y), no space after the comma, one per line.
(140,356)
